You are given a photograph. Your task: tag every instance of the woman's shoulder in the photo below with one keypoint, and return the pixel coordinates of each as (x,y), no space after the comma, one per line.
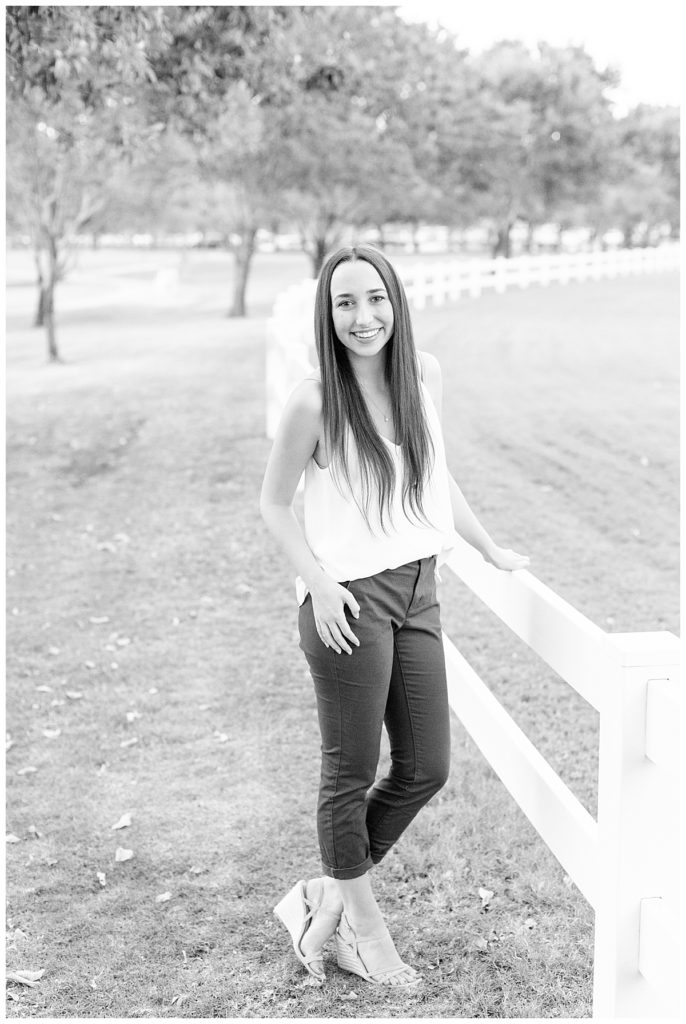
(431,369)
(306,396)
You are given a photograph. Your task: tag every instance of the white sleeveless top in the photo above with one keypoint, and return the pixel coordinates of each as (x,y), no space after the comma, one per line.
(338,535)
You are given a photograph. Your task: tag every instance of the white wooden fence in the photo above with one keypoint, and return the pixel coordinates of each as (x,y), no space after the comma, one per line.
(290,352)
(626,863)
(444,281)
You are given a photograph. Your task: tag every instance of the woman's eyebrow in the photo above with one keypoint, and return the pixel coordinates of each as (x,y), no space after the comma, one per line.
(349,295)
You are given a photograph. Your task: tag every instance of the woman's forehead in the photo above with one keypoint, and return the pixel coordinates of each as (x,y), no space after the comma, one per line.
(355,276)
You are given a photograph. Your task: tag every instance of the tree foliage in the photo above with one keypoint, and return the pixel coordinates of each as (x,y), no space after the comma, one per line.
(549,123)
(73,75)
(242,117)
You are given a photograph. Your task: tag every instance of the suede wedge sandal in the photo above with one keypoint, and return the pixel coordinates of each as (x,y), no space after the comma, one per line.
(351,959)
(296,912)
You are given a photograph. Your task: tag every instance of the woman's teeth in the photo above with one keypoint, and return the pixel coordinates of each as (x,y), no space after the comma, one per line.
(365,335)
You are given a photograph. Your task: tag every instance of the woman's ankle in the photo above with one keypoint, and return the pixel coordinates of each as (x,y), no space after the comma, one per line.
(367,923)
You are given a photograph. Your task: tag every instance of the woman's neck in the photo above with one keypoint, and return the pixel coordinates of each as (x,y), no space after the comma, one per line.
(371,371)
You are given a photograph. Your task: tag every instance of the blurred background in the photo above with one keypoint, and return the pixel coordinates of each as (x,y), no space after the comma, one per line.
(237,143)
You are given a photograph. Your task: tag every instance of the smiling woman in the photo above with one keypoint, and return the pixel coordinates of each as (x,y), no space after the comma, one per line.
(381,511)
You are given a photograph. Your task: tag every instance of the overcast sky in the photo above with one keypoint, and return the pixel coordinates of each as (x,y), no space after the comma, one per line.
(644,40)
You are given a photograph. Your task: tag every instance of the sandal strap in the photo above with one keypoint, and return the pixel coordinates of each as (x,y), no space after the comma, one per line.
(317,908)
(352,941)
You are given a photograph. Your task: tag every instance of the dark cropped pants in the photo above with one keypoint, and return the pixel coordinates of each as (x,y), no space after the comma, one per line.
(397,677)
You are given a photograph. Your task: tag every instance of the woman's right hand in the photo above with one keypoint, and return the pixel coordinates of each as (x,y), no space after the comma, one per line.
(328,606)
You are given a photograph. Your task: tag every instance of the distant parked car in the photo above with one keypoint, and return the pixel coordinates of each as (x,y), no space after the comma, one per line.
(210,240)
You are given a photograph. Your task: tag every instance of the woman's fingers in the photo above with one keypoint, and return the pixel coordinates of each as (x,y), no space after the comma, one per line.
(339,636)
(345,629)
(514,561)
(338,641)
(352,604)
(333,635)
(326,636)
(508,560)
(521,560)
(332,624)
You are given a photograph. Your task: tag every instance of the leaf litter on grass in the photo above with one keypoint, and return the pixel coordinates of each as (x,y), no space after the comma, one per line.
(124,821)
(245,800)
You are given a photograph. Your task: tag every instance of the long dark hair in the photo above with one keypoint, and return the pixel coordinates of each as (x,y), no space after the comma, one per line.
(344,406)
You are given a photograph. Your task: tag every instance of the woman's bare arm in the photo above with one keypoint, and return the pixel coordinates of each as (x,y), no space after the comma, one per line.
(295,442)
(296,439)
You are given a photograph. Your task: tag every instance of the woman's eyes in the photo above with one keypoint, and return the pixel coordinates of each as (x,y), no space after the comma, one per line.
(372,298)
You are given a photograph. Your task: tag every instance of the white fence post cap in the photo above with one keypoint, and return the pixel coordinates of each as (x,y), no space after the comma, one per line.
(645,649)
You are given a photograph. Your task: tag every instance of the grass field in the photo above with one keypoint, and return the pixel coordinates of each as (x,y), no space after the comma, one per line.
(152,622)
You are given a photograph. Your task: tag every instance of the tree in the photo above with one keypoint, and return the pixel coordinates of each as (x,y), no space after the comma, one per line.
(219,80)
(159,192)
(73,74)
(646,187)
(360,148)
(549,125)
(241,165)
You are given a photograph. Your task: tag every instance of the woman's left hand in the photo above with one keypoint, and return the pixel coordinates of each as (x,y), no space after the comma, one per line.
(504,558)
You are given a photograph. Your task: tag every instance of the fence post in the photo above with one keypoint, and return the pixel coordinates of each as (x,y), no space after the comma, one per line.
(598,265)
(543,270)
(500,274)
(524,270)
(455,280)
(638,831)
(475,278)
(581,266)
(289,349)
(418,278)
(439,285)
(564,268)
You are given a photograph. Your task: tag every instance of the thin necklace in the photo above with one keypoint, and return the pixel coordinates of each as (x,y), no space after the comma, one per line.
(385,417)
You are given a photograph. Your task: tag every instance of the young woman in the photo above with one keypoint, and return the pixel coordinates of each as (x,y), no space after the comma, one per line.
(380,514)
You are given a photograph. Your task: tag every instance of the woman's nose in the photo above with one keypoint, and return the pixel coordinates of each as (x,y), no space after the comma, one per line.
(364,315)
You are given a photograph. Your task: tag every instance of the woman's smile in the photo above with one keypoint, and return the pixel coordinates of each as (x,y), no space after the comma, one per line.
(366,335)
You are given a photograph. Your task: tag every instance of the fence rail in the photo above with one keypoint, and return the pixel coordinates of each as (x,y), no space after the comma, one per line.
(444,281)
(626,863)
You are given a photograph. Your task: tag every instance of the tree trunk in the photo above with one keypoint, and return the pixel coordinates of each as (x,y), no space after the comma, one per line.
(529,244)
(320,247)
(597,238)
(39,319)
(49,312)
(48,300)
(503,244)
(243,254)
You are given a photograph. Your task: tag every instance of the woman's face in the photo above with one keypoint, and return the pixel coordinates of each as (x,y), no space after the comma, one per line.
(361,309)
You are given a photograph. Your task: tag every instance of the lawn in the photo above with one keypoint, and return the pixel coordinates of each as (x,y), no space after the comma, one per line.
(153,667)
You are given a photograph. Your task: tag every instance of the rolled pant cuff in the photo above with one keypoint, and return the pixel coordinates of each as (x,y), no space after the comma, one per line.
(345,873)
